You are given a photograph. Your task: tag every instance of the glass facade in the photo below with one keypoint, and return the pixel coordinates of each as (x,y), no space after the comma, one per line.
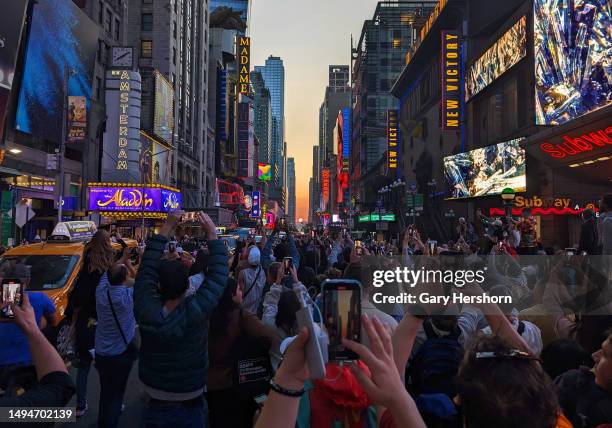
(263,117)
(273,74)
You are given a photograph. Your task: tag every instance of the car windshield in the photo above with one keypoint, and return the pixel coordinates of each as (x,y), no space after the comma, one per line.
(39,272)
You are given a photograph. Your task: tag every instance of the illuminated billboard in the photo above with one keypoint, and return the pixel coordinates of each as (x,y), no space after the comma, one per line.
(264,172)
(130,199)
(486,171)
(163,117)
(451,79)
(392,141)
(244,59)
(60,35)
(572,48)
(505,52)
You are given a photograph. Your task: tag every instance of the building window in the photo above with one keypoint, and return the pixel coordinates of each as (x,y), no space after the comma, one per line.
(101,13)
(146,48)
(117,29)
(146,22)
(109,22)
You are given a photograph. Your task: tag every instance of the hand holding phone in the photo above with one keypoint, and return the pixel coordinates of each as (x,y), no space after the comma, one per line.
(342,316)
(287,265)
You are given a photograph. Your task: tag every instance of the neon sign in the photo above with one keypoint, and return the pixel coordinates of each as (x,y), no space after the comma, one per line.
(584,143)
(130,199)
(244,56)
(451,78)
(392,124)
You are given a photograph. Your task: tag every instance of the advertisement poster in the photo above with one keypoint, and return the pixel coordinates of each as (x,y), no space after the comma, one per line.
(505,52)
(572,47)
(163,117)
(264,172)
(60,35)
(486,171)
(77,119)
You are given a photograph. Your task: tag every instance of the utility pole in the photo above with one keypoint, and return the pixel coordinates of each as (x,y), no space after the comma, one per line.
(62,149)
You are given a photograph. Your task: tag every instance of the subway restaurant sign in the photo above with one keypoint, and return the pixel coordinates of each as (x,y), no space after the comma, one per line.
(548,206)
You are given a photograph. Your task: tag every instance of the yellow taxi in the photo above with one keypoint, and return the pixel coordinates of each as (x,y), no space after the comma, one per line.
(52,267)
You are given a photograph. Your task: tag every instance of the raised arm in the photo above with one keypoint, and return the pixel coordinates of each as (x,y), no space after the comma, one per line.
(266,253)
(295,254)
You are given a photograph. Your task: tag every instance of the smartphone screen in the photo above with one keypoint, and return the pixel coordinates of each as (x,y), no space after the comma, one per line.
(12,292)
(432,246)
(358,248)
(342,312)
(288,264)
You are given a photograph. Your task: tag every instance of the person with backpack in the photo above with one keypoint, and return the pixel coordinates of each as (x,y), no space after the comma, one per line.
(236,335)
(252,280)
(116,350)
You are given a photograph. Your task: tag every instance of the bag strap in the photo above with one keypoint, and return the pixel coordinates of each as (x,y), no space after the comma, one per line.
(115,316)
(253,283)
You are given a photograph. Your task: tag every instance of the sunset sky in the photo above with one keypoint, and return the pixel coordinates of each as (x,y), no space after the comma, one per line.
(309,35)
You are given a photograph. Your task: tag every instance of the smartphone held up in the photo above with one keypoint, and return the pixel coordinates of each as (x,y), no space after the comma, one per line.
(342,316)
(12,294)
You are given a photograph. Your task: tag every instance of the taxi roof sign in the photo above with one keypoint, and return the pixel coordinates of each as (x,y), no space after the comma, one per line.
(73,231)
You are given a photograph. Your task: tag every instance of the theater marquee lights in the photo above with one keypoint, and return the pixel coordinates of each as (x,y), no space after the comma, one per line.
(451,80)
(244,56)
(392,140)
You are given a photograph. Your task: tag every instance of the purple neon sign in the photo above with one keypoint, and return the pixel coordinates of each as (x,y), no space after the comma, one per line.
(130,199)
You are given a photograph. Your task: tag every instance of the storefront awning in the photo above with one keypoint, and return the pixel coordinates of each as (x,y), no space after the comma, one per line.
(583,145)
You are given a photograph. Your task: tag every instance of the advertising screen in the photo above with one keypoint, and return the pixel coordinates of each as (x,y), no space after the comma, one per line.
(486,171)
(507,51)
(129,199)
(60,35)
(11,24)
(572,47)
(241,6)
(77,119)
(163,117)
(264,172)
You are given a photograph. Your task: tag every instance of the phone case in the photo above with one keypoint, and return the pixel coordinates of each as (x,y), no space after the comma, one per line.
(314,352)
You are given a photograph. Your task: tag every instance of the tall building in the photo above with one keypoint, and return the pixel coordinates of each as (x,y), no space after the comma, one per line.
(378,60)
(338,77)
(313,188)
(263,116)
(173,38)
(291,190)
(273,73)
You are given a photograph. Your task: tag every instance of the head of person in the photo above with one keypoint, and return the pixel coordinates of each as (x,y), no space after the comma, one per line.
(281,251)
(334,273)
(173,280)
(493,385)
(562,355)
(288,305)
(587,215)
(201,262)
(603,364)
(273,271)
(254,257)
(605,203)
(118,274)
(100,252)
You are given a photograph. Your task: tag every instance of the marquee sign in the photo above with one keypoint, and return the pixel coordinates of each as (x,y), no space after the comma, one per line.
(325,178)
(451,80)
(130,199)
(244,57)
(392,140)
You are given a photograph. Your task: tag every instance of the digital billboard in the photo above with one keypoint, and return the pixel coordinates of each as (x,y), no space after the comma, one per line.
(451,79)
(77,119)
(505,52)
(486,171)
(129,199)
(60,35)
(572,48)
(264,172)
(241,6)
(163,117)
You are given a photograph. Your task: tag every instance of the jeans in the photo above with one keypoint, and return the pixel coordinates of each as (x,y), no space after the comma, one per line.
(81,382)
(114,373)
(176,415)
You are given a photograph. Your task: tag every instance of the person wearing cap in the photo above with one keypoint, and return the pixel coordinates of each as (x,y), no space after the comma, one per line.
(252,280)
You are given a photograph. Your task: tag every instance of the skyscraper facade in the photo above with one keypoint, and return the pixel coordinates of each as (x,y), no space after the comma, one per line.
(273,73)
(291,190)
(263,116)
(173,39)
(338,78)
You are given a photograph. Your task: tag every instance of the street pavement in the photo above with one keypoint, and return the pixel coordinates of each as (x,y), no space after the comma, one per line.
(130,417)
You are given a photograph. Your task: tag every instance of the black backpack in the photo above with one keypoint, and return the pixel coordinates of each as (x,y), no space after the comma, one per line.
(435,365)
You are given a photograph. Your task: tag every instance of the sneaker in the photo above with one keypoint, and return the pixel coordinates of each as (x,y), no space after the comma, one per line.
(81,411)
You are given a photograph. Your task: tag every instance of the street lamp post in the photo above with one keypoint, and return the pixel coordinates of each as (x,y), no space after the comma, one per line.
(62,149)
(508,195)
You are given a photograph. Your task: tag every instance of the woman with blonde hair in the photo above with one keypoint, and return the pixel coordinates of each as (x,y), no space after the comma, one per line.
(98,257)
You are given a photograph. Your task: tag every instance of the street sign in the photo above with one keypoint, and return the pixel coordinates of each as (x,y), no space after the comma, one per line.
(388,217)
(51,161)
(23,213)
(363,218)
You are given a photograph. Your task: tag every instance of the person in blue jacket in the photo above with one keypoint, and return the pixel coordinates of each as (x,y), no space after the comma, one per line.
(173,359)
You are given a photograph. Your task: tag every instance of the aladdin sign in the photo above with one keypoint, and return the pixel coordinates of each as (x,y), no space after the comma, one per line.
(131,199)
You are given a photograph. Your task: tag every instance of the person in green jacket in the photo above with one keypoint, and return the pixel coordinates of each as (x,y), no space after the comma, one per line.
(173,358)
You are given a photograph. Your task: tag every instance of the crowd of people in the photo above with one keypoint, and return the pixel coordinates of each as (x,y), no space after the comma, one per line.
(217,341)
